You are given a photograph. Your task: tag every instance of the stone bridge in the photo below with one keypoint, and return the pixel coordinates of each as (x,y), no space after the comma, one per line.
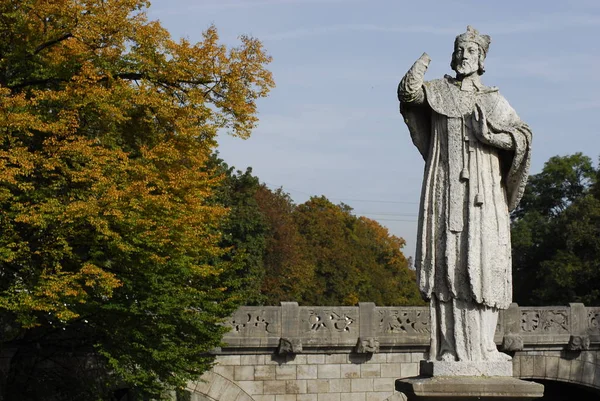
(301,353)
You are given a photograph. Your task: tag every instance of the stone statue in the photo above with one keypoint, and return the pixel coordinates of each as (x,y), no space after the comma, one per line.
(477,153)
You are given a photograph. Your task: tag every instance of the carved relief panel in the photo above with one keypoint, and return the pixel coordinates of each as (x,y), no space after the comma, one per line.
(545,320)
(593,320)
(255,322)
(402,321)
(330,324)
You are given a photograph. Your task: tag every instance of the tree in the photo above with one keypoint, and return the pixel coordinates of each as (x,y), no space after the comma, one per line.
(244,231)
(572,271)
(555,233)
(354,259)
(562,180)
(387,277)
(110,237)
(289,275)
(316,253)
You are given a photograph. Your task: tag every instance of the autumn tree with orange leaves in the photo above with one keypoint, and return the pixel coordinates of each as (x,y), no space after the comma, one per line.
(109,237)
(353,259)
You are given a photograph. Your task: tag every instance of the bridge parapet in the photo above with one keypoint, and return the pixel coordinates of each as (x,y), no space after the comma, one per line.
(300,353)
(368,328)
(293,328)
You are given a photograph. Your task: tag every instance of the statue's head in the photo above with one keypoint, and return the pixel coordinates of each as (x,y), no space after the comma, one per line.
(470,49)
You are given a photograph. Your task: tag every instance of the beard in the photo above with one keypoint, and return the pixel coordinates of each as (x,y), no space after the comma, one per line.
(466,67)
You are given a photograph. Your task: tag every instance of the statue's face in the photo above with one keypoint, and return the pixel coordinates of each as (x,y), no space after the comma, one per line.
(466,58)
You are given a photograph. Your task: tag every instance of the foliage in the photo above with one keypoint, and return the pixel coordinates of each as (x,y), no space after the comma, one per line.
(555,234)
(244,230)
(110,238)
(315,253)
(354,258)
(562,180)
(289,275)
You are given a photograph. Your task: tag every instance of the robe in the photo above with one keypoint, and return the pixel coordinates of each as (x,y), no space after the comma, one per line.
(463,256)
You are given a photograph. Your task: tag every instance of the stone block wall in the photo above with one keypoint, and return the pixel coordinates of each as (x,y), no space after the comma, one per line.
(314,377)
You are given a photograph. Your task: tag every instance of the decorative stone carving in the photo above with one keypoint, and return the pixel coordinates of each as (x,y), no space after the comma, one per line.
(512,342)
(328,319)
(477,153)
(367,345)
(262,328)
(248,321)
(530,321)
(579,343)
(402,321)
(544,320)
(594,321)
(289,346)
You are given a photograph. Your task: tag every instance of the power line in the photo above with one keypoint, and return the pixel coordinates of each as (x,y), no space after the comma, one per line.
(366,200)
(377,201)
(345,199)
(387,214)
(407,221)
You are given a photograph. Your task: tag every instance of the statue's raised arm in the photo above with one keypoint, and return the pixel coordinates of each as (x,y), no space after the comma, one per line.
(410,89)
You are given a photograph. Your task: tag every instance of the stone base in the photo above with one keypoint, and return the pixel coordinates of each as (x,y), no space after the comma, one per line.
(468,388)
(468,368)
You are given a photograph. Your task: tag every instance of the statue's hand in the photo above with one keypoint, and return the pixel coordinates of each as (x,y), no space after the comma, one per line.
(489,133)
(480,125)
(425,58)
(424,61)
(419,67)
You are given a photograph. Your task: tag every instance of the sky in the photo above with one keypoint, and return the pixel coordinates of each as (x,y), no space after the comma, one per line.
(332,126)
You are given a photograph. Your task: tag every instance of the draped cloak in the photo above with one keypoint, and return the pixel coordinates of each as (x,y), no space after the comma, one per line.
(469,187)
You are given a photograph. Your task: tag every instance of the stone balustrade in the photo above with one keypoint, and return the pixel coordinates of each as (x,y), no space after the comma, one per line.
(342,353)
(367,328)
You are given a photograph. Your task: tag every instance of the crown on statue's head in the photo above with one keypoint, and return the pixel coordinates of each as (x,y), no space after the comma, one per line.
(472,35)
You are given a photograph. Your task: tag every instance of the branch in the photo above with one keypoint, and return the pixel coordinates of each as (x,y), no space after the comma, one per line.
(131,76)
(52,42)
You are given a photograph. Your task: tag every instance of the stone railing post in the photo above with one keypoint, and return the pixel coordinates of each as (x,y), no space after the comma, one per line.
(367,341)
(580,339)
(290,342)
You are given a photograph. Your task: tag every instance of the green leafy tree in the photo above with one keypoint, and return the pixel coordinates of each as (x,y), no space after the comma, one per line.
(572,272)
(110,236)
(555,232)
(244,231)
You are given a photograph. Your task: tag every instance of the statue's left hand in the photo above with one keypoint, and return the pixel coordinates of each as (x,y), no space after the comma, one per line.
(480,125)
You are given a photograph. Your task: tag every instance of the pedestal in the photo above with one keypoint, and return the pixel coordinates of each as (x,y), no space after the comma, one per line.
(467,368)
(463,388)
